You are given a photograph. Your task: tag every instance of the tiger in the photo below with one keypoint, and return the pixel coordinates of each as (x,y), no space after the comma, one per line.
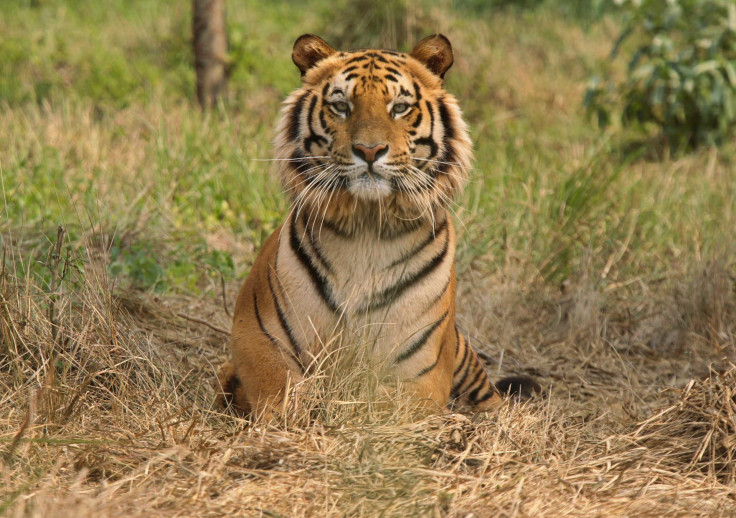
(372,150)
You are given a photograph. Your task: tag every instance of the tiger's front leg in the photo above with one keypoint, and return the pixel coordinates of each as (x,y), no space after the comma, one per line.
(258,378)
(262,369)
(424,363)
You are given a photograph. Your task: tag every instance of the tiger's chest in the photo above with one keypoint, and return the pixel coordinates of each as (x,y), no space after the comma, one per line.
(364,288)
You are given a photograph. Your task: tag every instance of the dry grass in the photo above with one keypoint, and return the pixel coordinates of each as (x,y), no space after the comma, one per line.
(107,410)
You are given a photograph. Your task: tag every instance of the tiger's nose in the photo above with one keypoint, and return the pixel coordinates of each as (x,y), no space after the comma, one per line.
(370,154)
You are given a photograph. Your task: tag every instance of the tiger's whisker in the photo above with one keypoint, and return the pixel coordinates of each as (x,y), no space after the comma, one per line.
(295,159)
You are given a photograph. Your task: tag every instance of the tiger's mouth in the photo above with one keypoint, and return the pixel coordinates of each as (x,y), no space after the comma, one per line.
(370,185)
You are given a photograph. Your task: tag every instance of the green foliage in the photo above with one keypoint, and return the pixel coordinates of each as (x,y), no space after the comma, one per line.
(55,50)
(681,73)
(146,266)
(139,264)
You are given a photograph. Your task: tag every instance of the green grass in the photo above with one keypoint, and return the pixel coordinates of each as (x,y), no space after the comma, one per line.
(101,128)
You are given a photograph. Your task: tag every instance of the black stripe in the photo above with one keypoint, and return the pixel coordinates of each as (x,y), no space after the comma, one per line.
(349,69)
(389,232)
(446,121)
(356,59)
(465,355)
(323,121)
(417,91)
(448,155)
(335,229)
(418,120)
(473,396)
(295,116)
(489,395)
(455,391)
(389,295)
(459,385)
(393,71)
(412,350)
(316,247)
(351,76)
(400,229)
(477,380)
(441,293)
(310,112)
(428,105)
(433,234)
(296,350)
(391,78)
(318,280)
(428,141)
(313,137)
(428,369)
(299,162)
(271,338)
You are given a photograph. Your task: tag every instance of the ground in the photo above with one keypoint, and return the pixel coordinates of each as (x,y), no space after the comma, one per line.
(599,262)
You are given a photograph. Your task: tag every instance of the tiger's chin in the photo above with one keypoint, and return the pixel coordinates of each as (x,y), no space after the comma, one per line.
(370,187)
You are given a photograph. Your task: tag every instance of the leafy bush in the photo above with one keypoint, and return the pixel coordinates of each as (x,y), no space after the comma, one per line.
(681,75)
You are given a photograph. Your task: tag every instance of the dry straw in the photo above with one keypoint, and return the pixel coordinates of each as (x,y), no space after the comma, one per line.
(106,410)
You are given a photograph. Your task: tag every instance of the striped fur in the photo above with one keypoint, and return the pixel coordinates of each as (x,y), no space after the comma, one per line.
(371,150)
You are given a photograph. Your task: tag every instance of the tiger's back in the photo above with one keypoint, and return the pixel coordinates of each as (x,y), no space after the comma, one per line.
(371,150)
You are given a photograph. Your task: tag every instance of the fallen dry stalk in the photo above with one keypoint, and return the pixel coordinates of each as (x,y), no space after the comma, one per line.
(699,430)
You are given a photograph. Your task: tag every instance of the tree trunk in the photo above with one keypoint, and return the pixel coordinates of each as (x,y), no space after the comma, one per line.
(210,50)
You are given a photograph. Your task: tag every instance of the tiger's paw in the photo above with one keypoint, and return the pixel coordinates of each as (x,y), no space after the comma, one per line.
(228,390)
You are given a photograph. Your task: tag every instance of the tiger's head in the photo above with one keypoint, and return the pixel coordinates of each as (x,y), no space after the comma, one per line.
(372,129)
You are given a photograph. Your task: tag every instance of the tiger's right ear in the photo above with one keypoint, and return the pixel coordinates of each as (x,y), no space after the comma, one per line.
(435,52)
(309,50)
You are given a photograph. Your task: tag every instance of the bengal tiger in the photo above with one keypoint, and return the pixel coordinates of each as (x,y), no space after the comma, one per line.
(371,150)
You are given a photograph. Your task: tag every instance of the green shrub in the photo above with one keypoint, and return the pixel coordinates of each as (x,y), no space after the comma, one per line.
(682,72)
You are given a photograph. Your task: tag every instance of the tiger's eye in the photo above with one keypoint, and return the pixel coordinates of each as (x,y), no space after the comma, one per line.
(341,107)
(399,108)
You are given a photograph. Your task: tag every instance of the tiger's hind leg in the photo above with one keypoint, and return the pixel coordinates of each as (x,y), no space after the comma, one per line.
(472,388)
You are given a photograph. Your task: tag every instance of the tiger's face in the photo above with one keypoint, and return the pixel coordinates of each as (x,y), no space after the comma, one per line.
(373,127)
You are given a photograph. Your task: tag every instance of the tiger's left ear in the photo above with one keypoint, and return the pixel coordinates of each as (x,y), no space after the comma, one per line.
(309,50)
(435,52)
